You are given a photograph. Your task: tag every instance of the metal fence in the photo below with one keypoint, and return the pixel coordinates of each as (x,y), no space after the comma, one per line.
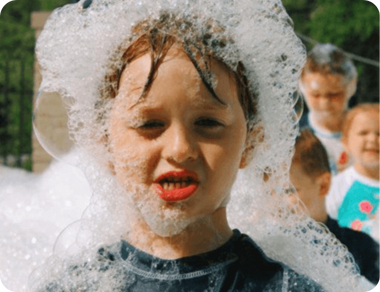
(16,106)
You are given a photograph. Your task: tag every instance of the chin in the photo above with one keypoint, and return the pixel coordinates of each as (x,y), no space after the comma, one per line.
(167,227)
(371,164)
(326,113)
(164,221)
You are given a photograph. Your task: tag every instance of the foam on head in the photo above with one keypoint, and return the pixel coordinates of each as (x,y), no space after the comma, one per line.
(80,46)
(329,59)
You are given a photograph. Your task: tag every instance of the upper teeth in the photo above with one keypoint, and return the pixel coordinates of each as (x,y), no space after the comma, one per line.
(168,186)
(177,179)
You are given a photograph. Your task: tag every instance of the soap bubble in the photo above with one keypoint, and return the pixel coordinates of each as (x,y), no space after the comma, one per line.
(298,108)
(50,124)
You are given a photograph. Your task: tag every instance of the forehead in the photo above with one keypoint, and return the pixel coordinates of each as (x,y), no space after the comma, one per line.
(366,120)
(314,80)
(176,73)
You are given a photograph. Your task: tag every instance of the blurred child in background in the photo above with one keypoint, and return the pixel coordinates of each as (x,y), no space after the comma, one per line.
(328,81)
(354,197)
(310,175)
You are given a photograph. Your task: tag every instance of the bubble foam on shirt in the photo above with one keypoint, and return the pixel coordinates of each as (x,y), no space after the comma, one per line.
(80,46)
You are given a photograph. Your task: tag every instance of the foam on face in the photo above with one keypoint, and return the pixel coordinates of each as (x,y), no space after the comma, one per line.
(77,49)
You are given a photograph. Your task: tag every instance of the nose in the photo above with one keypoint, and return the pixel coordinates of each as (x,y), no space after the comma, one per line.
(179,145)
(325,100)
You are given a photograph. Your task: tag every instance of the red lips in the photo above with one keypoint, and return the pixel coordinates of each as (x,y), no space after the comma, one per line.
(176,185)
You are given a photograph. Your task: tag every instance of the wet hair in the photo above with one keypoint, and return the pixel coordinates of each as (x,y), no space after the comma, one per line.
(328,59)
(311,154)
(360,108)
(157,36)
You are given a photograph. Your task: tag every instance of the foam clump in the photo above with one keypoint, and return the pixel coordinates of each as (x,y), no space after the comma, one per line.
(82,44)
(35,209)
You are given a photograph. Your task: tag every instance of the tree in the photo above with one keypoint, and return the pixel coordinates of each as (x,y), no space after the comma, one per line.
(352,25)
(17,43)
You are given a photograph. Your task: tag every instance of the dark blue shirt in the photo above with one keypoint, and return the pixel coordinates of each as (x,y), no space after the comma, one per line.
(238,265)
(362,247)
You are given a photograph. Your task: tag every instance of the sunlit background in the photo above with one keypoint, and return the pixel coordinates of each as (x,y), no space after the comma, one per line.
(352,25)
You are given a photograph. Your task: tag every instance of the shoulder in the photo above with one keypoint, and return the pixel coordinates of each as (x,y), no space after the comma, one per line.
(349,236)
(346,176)
(76,274)
(363,248)
(268,274)
(342,182)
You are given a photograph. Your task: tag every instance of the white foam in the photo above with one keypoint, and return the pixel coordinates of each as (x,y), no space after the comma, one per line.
(34,210)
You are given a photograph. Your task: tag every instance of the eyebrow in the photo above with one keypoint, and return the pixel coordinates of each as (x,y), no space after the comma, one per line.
(215,100)
(209,104)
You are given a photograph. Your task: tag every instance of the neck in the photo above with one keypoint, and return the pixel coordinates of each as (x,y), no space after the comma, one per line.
(202,236)
(331,123)
(319,214)
(368,171)
(322,217)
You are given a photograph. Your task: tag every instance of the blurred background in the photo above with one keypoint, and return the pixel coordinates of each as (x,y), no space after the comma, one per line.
(352,25)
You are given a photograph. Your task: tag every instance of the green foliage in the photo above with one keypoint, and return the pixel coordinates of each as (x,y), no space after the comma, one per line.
(49,5)
(335,21)
(352,25)
(17,41)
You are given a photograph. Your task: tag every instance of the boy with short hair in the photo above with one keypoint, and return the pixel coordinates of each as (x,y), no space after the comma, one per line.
(310,175)
(328,81)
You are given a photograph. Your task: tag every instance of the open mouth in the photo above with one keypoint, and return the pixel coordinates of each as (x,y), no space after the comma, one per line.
(372,150)
(176,183)
(176,186)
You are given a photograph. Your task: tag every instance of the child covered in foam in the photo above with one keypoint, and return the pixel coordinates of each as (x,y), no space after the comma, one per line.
(310,174)
(328,81)
(181,107)
(354,196)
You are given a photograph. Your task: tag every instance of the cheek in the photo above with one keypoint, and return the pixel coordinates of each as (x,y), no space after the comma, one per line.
(339,102)
(311,100)
(133,164)
(223,161)
(315,101)
(354,144)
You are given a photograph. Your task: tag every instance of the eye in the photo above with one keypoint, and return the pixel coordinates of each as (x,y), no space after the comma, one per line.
(151,125)
(150,129)
(335,95)
(208,123)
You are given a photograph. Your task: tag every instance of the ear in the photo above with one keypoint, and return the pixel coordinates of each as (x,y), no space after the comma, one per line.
(324,181)
(344,141)
(111,168)
(255,136)
(105,141)
(301,86)
(246,156)
(351,88)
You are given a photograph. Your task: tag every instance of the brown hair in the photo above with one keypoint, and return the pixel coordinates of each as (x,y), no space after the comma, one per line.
(311,154)
(360,108)
(158,36)
(328,59)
